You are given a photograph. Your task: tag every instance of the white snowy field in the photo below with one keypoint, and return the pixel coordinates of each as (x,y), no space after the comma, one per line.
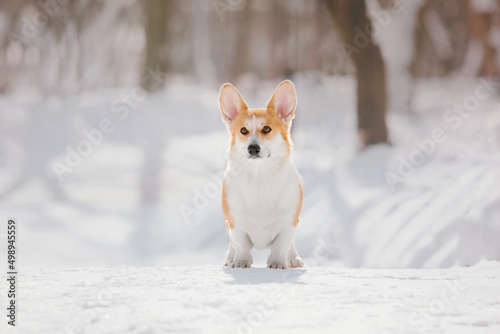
(213,299)
(131,238)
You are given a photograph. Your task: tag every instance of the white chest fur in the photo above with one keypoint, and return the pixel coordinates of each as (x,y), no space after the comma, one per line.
(262,199)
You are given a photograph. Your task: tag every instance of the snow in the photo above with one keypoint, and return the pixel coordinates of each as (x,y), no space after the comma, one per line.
(213,299)
(110,249)
(124,203)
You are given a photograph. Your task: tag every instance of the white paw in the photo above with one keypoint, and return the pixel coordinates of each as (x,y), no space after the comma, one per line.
(296,263)
(241,264)
(228,262)
(276,265)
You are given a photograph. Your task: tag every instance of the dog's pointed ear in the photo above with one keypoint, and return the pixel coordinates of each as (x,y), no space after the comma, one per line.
(231,103)
(284,101)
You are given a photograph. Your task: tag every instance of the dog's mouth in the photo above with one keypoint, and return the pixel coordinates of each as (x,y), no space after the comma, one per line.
(254,157)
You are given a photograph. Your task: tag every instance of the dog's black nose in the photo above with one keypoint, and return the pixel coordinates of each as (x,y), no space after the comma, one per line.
(253,149)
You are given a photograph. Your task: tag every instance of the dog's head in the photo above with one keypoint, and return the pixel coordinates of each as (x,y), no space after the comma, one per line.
(259,134)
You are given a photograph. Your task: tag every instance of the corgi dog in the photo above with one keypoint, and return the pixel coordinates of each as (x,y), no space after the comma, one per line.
(261,190)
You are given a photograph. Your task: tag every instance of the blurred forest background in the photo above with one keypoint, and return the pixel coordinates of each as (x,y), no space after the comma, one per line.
(218,41)
(64,47)
(367,72)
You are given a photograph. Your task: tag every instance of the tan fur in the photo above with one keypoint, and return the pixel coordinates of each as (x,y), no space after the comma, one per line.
(228,218)
(272,120)
(299,206)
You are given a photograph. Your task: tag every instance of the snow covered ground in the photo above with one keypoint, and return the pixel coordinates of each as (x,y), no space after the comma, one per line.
(211,299)
(144,202)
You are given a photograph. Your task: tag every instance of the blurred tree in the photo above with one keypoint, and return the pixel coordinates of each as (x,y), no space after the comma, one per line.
(242,61)
(453,35)
(156,37)
(481,19)
(155,65)
(441,40)
(14,10)
(355,30)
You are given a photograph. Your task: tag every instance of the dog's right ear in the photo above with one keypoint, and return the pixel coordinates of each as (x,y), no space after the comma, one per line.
(230,103)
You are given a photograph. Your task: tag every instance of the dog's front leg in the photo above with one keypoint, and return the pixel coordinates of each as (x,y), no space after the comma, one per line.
(230,255)
(242,249)
(280,247)
(294,260)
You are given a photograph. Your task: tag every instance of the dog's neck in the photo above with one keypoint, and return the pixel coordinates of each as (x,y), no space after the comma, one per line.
(259,169)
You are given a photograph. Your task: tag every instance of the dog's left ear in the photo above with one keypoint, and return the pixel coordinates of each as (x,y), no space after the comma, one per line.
(284,101)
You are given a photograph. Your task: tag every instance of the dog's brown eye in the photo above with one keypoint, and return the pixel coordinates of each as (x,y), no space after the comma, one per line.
(244,131)
(266,129)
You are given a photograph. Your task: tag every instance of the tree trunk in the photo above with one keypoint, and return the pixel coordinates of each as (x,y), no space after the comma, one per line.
(156,34)
(355,30)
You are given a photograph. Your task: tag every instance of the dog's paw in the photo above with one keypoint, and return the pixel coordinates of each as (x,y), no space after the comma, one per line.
(228,262)
(276,265)
(296,263)
(241,264)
